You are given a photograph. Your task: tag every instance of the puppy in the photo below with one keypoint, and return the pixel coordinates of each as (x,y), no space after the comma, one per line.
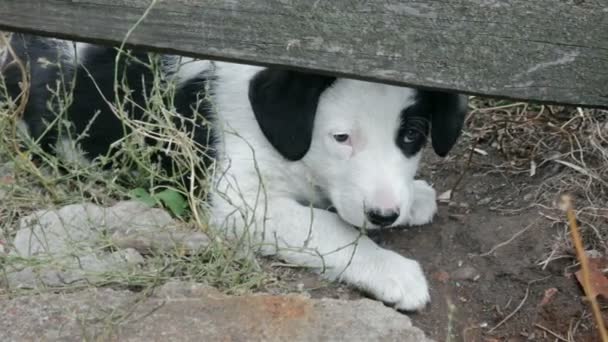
(287,146)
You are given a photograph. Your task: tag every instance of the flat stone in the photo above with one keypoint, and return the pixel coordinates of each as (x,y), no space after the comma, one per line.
(80,226)
(147,241)
(71,270)
(200,315)
(74,228)
(185,289)
(134,215)
(70,244)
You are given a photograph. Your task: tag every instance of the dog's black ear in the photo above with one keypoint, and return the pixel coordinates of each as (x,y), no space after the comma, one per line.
(285,103)
(448,112)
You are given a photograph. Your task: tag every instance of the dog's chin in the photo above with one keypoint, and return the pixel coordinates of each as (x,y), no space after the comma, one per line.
(371,226)
(365,225)
(344,218)
(361,225)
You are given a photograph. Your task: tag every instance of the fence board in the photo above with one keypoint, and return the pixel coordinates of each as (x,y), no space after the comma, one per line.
(546,50)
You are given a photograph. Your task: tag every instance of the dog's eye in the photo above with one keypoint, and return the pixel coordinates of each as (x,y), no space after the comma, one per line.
(411,135)
(341,137)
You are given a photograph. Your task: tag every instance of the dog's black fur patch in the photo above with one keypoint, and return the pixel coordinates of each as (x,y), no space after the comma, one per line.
(285,103)
(92,82)
(445,112)
(415,121)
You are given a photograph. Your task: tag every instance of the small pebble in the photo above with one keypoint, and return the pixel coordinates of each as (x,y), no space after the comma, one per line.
(465,273)
(458,218)
(445,197)
(485,201)
(133,257)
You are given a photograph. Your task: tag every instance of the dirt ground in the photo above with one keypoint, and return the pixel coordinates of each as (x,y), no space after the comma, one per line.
(498,282)
(483,257)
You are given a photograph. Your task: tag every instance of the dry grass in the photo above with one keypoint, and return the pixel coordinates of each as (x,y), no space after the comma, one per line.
(544,152)
(585,268)
(561,149)
(31,179)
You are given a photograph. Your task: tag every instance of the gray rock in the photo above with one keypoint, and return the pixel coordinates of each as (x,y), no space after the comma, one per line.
(74,228)
(185,289)
(69,245)
(80,227)
(71,270)
(134,225)
(147,241)
(134,215)
(202,315)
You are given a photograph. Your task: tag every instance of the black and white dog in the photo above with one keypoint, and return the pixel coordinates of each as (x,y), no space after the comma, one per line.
(287,145)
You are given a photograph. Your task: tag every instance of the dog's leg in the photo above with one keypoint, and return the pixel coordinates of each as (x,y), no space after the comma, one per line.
(321,240)
(424,206)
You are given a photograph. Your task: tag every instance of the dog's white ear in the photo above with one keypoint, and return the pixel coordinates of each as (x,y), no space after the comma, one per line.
(448,112)
(285,103)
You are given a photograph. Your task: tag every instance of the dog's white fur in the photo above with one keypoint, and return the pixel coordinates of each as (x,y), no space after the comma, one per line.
(281,205)
(260,193)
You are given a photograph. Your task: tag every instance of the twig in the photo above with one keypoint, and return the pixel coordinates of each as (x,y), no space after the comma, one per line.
(504,320)
(582,257)
(513,312)
(466,167)
(25,90)
(23,98)
(556,335)
(504,243)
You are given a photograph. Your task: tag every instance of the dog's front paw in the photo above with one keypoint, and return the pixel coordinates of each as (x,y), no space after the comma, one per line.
(424,206)
(393,279)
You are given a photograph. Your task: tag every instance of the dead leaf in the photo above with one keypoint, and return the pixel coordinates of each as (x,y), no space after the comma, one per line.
(548,296)
(597,261)
(598,283)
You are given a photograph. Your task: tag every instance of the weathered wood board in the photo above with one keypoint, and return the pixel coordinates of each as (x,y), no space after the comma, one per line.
(545,50)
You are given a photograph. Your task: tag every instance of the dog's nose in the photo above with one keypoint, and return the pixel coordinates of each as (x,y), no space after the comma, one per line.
(382,218)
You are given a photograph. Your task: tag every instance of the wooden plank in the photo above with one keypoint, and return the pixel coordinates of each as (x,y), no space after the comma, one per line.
(546,50)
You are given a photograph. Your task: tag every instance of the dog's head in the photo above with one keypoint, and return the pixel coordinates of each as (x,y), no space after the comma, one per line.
(361,141)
